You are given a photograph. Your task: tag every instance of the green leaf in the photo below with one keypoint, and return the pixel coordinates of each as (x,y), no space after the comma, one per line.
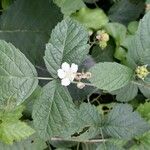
(117,31)
(10,131)
(27,24)
(126,11)
(53,111)
(31,143)
(18,77)
(110,76)
(123,123)
(139,45)
(142,143)
(91,18)
(11,128)
(126,93)
(87,122)
(68,43)
(68,7)
(144,110)
(145,90)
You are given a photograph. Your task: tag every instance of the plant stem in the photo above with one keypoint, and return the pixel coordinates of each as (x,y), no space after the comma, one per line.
(45,78)
(78,140)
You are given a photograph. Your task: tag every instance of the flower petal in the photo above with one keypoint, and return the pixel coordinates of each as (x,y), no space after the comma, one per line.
(61,74)
(65,66)
(74,68)
(65,82)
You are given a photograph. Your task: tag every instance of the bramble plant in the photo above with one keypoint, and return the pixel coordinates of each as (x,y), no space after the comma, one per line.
(75,75)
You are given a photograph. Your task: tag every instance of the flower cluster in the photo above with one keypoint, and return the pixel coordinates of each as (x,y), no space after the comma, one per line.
(68,73)
(103,38)
(142,72)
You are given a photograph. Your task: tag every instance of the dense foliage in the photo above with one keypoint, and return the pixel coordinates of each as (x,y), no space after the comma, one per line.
(75,74)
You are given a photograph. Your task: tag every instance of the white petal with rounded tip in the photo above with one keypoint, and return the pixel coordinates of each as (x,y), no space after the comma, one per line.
(65,66)
(74,68)
(65,82)
(61,74)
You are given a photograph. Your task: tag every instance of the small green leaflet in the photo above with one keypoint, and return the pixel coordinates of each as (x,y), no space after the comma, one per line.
(18,77)
(110,76)
(123,123)
(11,128)
(53,110)
(68,43)
(68,6)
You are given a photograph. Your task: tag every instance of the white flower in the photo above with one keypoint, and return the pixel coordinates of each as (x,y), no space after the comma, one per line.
(67,73)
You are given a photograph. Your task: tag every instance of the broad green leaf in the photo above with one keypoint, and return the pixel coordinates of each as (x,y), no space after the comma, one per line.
(91,18)
(139,45)
(87,122)
(27,24)
(53,111)
(123,123)
(68,43)
(11,128)
(18,77)
(68,7)
(110,76)
(117,31)
(126,11)
(31,143)
(126,93)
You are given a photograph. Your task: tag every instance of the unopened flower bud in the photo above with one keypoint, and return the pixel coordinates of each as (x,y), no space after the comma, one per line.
(90,32)
(78,76)
(102,44)
(105,37)
(88,75)
(80,85)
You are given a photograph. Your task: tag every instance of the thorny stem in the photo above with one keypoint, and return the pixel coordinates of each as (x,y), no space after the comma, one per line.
(78,140)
